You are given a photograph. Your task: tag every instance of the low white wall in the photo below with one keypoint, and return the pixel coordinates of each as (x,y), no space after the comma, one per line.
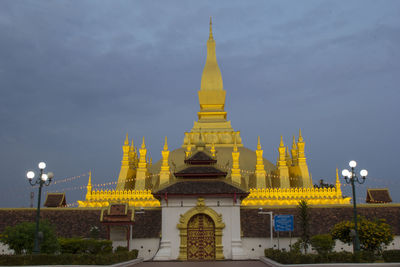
(254,247)
(5,250)
(147,247)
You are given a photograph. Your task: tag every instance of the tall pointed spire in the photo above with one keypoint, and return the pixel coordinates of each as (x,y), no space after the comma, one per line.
(258,143)
(165,144)
(281,143)
(126,140)
(89,187)
(143,143)
(300,137)
(211,35)
(211,78)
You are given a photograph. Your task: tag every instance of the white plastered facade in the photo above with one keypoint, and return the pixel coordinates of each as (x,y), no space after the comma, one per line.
(172,210)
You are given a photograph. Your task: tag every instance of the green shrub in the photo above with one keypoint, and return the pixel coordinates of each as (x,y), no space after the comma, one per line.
(85,246)
(373,234)
(391,255)
(323,244)
(21,237)
(121,249)
(68,259)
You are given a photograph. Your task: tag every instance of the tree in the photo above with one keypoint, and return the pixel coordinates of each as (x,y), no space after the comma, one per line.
(20,237)
(374,234)
(304,217)
(323,244)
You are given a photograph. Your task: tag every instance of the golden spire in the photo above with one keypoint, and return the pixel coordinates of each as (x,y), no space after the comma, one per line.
(90,179)
(300,137)
(143,144)
(281,143)
(235,148)
(211,35)
(89,187)
(165,144)
(126,140)
(211,78)
(258,143)
(337,177)
(132,145)
(294,143)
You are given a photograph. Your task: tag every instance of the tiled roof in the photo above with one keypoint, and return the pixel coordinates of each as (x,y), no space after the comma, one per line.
(55,200)
(117,213)
(200,171)
(378,195)
(200,158)
(200,187)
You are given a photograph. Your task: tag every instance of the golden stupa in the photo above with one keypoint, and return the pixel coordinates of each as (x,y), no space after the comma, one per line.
(284,183)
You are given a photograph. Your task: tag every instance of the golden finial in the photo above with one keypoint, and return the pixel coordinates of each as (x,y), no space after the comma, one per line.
(258,143)
(294,143)
(165,144)
(281,143)
(211,35)
(235,148)
(337,176)
(126,140)
(143,144)
(90,178)
(300,137)
(132,144)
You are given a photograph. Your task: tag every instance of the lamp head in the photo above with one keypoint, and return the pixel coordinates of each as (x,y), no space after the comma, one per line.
(346,173)
(30,175)
(44,177)
(363,173)
(42,165)
(50,175)
(353,164)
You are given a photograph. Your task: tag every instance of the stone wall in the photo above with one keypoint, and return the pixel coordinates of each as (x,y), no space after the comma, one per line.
(322,218)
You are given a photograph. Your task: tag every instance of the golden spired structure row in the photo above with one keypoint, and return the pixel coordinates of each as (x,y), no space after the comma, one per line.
(284,183)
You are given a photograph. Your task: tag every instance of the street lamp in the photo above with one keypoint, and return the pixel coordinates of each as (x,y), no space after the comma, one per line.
(42,179)
(351,178)
(260,211)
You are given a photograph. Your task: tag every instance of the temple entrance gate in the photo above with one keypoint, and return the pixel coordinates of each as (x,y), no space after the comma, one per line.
(201,238)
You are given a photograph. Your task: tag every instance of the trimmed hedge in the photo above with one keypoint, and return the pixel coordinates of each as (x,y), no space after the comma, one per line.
(68,259)
(295,257)
(84,246)
(391,255)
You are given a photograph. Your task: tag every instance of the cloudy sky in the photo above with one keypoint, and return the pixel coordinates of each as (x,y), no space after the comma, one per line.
(76,76)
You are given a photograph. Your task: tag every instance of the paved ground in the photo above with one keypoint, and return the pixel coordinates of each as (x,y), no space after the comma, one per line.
(201,264)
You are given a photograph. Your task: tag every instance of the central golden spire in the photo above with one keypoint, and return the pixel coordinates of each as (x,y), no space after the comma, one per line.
(211,78)
(212,125)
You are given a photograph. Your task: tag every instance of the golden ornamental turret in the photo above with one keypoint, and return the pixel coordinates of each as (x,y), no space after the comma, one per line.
(294,152)
(89,187)
(141,173)
(132,157)
(235,172)
(164,173)
(283,169)
(125,178)
(260,170)
(338,185)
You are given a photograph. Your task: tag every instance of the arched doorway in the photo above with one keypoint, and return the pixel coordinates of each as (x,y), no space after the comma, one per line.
(216,219)
(201,238)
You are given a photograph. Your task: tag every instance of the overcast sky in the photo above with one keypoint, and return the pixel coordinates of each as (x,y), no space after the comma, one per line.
(76,76)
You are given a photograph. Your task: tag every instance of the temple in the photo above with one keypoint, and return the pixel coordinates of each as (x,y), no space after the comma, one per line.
(210,180)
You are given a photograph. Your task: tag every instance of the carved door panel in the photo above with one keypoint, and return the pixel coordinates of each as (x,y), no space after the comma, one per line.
(201,238)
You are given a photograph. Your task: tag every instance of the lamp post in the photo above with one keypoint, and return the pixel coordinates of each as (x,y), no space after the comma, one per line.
(351,178)
(42,179)
(260,211)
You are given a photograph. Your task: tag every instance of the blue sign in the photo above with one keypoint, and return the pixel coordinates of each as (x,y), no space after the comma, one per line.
(283,223)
